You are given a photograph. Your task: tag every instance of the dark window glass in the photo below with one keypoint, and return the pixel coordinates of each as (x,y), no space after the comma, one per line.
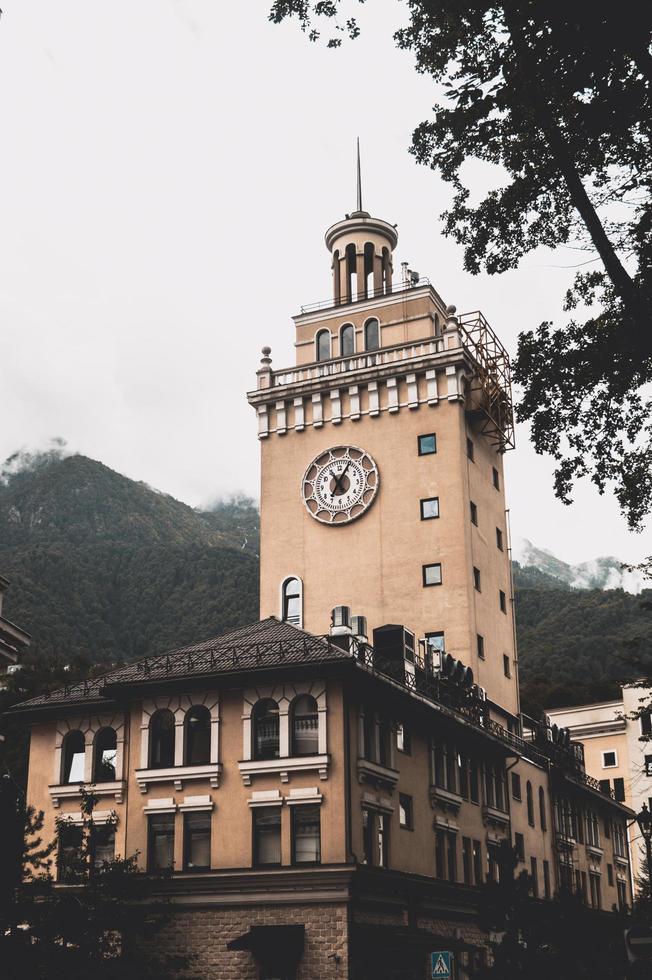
(480,640)
(347,341)
(605,786)
(477,863)
(198,736)
(519,846)
(499,539)
(161,739)
(384,742)
(106,753)
(429,508)
(502,599)
(74,752)
(646,723)
(266,732)
(466,861)
(452,857)
(103,845)
(440,854)
(516,786)
(463,776)
(473,782)
(506,669)
(267,835)
(496,477)
(375,838)
(323,345)
(427,444)
(648,765)
(470,450)
(431,574)
(542,809)
(530,803)
(160,849)
(610,874)
(608,759)
(619,789)
(372,335)
(69,859)
(306,839)
(305,726)
(405,811)
(292,601)
(369,735)
(474,514)
(477,582)
(535,877)
(197,841)
(546,879)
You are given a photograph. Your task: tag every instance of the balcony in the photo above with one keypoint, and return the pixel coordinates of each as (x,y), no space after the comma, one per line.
(378,776)
(445,799)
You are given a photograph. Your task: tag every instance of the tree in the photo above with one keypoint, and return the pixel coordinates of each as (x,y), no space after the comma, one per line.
(559,98)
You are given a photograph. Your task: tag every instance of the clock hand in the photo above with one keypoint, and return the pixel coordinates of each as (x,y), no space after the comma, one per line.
(338,480)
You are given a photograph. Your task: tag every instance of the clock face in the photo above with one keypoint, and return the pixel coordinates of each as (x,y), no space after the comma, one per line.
(340,485)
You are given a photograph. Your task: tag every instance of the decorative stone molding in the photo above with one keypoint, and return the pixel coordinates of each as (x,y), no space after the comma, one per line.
(179,705)
(445,800)
(493,817)
(162,805)
(381,777)
(308,794)
(439,823)
(178,775)
(380,803)
(265,797)
(593,852)
(196,804)
(89,725)
(284,695)
(284,767)
(71,790)
(100,817)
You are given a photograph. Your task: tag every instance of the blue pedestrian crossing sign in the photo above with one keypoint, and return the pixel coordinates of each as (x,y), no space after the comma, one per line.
(441,966)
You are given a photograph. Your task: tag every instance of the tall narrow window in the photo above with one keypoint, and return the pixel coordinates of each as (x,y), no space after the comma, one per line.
(470,449)
(372,335)
(543,820)
(466,861)
(477,863)
(405,812)
(197,841)
(161,739)
(267,835)
(73,753)
(480,640)
(546,879)
(106,753)
(474,514)
(323,345)
(502,601)
(306,838)
(69,855)
(266,729)
(477,581)
(506,668)
(530,803)
(160,846)
(496,477)
(291,601)
(534,876)
(305,726)
(198,736)
(347,340)
(375,838)
(103,845)
(499,539)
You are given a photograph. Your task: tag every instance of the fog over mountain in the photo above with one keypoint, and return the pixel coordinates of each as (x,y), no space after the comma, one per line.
(605,572)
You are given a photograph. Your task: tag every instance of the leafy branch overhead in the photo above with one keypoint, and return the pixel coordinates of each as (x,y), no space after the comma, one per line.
(558,97)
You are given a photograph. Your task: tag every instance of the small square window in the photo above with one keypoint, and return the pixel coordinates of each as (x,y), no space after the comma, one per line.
(480,640)
(496,477)
(431,574)
(477,584)
(427,444)
(648,765)
(470,450)
(516,786)
(429,508)
(503,601)
(499,539)
(506,668)
(474,514)
(609,760)
(405,818)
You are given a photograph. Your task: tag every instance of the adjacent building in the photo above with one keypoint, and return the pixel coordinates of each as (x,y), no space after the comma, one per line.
(13,640)
(330,785)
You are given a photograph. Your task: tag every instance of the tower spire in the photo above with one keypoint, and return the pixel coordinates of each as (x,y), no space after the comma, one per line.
(359,207)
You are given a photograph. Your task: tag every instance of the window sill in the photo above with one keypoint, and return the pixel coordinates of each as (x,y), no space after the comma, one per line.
(497,818)
(377,775)
(291,764)
(593,851)
(70,791)
(178,775)
(445,799)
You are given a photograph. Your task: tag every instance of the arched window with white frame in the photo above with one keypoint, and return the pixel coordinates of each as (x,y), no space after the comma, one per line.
(161,739)
(266,736)
(73,757)
(323,345)
(305,726)
(372,334)
(292,601)
(197,730)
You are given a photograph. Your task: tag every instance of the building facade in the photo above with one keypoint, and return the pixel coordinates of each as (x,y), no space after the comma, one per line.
(13,640)
(331,785)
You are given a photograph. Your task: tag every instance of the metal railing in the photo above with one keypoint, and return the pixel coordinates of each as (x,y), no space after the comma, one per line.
(403,287)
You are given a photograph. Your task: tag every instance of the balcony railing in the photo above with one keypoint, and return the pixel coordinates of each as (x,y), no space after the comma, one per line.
(402,287)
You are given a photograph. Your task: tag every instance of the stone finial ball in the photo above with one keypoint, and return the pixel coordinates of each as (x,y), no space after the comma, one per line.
(266,351)
(450,310)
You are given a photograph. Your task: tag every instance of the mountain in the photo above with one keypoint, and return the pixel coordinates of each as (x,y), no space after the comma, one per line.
(601,573)
(106,569)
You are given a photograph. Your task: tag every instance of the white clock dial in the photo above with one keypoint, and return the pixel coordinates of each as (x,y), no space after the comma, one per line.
(340,485)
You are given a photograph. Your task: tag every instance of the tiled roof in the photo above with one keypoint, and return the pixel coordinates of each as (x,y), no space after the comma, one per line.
(268,643)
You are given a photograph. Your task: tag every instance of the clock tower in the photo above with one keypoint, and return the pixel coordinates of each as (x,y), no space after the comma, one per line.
(381,463)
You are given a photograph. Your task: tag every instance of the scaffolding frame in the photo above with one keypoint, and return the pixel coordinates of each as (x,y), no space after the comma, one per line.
(490,388)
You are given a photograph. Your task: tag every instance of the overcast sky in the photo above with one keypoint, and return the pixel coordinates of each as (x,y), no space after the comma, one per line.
(168,169)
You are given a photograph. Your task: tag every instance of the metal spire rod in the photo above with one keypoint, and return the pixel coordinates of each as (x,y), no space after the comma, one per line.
(359,208)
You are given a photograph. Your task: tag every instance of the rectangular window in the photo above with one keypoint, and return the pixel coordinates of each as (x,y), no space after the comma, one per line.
(477,862)
(405,818)
(496,477)
(104,845)
(463,776)
(583,890)
(452,857)
(431,574)
(375,835)
(403,738)
(619,789)
(506,668)
(267,836)
(435,647)
(197,841)
(499,539)
(306,834)
(648,765)
(622,895)
(427,444)
(609,760)
(610,874)
(502,600)
(646,723)
(69,864)
(440,854)
(429,508)
(596,893)
(534,874)
(466,861)
(477,584)
(605,786)
(474,514)
(470,450)
(516,786)
(480,640)
(519,846)
(473,782)
(546,879)
(160,845)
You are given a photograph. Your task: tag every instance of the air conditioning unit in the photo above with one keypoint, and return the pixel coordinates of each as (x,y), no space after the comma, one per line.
(394,650)
(359,627)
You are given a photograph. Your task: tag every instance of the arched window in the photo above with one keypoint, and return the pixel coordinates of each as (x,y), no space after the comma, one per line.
(291,601)
(437,326)
(74,752)
(530,803)
(372,335)
(266,737)
(106,754)
(198,736)
(305,725)
(347,340)
(161,739)
(542,809)
(323,345)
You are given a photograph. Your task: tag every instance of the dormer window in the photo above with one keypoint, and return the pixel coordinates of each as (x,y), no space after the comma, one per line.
(323,345)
